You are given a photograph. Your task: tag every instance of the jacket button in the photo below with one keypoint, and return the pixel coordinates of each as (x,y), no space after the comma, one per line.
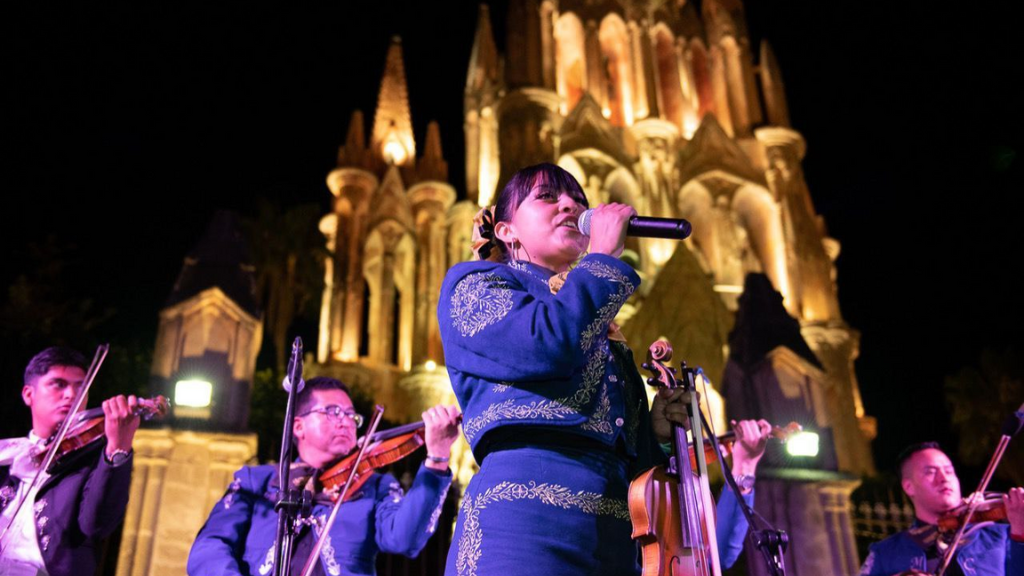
(619,422)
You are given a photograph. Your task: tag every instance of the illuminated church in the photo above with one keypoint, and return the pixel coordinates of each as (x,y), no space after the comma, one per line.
(661,104)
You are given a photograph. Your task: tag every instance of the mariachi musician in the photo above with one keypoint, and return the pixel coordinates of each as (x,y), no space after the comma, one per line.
(554,409)
(238,537)
(58,529)
(929,480)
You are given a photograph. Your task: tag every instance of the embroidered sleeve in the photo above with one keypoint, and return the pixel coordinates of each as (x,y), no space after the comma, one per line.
(494,326)
(869,563)
(219,545)
(479,300)
(404,524)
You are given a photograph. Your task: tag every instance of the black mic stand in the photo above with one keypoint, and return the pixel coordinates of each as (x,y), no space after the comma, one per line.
(771,541)
(291,505)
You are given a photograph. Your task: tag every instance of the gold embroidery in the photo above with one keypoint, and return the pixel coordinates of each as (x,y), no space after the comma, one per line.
(436,514)
(599,327)
(268,562)
(479,300)
(470,551)
(557,409)
(233,489)
(599,420)
(546,409)
(333,568)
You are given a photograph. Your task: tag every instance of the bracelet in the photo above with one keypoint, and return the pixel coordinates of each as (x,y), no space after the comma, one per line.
(437,459)
(118,457)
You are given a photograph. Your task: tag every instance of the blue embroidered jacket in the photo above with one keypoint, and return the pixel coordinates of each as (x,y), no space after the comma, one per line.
(238,537)
(991,552)
(76,509)
(519,355)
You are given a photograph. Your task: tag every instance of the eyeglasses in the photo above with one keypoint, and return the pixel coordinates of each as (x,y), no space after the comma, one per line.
(336,413)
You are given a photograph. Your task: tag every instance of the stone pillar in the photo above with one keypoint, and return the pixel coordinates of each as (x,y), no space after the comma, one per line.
(353,189)
(430,203)
(812,507)
(837,347)
(178,476)
(810,266)
(596,81)
(528,120)
(426,388)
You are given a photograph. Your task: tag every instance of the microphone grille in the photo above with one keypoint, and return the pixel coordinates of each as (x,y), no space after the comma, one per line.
(583,223)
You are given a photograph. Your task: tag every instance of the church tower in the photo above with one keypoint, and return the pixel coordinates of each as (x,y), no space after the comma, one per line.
(667,106)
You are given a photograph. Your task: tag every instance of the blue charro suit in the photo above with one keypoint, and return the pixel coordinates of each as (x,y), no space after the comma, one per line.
(76,508)
(239,535)
(990,552)
(557,417)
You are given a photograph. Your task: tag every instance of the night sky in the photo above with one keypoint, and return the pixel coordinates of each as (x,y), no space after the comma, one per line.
(126,128)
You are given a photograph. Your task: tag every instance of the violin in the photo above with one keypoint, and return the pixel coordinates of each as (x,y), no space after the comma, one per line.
(672,508)
(669,505)
(87,429)
(386,448)
(726,441)
(989,509)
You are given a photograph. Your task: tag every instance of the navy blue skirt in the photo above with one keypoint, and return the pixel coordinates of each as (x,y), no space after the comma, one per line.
(547,510)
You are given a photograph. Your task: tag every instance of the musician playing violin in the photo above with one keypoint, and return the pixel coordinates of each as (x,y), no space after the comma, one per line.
(239,534)
(59,528)
(929,480)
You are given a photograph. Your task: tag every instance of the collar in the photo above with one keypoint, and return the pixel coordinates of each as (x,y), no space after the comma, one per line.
(535,270)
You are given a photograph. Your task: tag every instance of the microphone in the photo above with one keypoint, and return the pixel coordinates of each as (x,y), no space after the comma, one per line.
(294,371)
(644,226)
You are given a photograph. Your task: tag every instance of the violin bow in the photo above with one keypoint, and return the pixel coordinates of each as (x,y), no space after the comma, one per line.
(314,556)
(62,431)
(1011,427)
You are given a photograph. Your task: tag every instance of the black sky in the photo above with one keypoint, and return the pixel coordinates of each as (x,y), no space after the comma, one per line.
(127,127)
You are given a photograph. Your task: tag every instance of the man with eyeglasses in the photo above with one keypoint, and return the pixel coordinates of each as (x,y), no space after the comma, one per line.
(239,535)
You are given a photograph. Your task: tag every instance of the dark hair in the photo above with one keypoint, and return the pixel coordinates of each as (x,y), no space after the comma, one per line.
(909,452)
(518,189)
(305,400)
(41,363)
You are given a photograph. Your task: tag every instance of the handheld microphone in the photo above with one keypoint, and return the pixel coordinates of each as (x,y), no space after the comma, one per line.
(645,226)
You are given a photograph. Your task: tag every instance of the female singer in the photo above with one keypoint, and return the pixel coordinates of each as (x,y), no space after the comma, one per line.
(554,409)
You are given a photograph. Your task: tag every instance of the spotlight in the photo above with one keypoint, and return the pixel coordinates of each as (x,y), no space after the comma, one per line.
(803,444)
(193,393)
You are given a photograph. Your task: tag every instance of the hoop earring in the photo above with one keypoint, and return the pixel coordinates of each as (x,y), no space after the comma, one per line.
(516,245)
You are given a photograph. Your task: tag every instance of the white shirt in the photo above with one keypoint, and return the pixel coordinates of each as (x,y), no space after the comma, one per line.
(21,554)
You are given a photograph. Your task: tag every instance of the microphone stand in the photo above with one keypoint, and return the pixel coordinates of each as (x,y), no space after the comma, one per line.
(771,541)
(290,503)
(1011,427)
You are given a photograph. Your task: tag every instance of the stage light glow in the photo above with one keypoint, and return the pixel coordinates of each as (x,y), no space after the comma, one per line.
(193,393)
(803,444)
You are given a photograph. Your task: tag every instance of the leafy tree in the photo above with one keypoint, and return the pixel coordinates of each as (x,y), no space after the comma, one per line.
(980,399)
(288,252)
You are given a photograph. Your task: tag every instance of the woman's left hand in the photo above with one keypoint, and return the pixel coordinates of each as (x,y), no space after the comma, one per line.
(668,407)
(441,424)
